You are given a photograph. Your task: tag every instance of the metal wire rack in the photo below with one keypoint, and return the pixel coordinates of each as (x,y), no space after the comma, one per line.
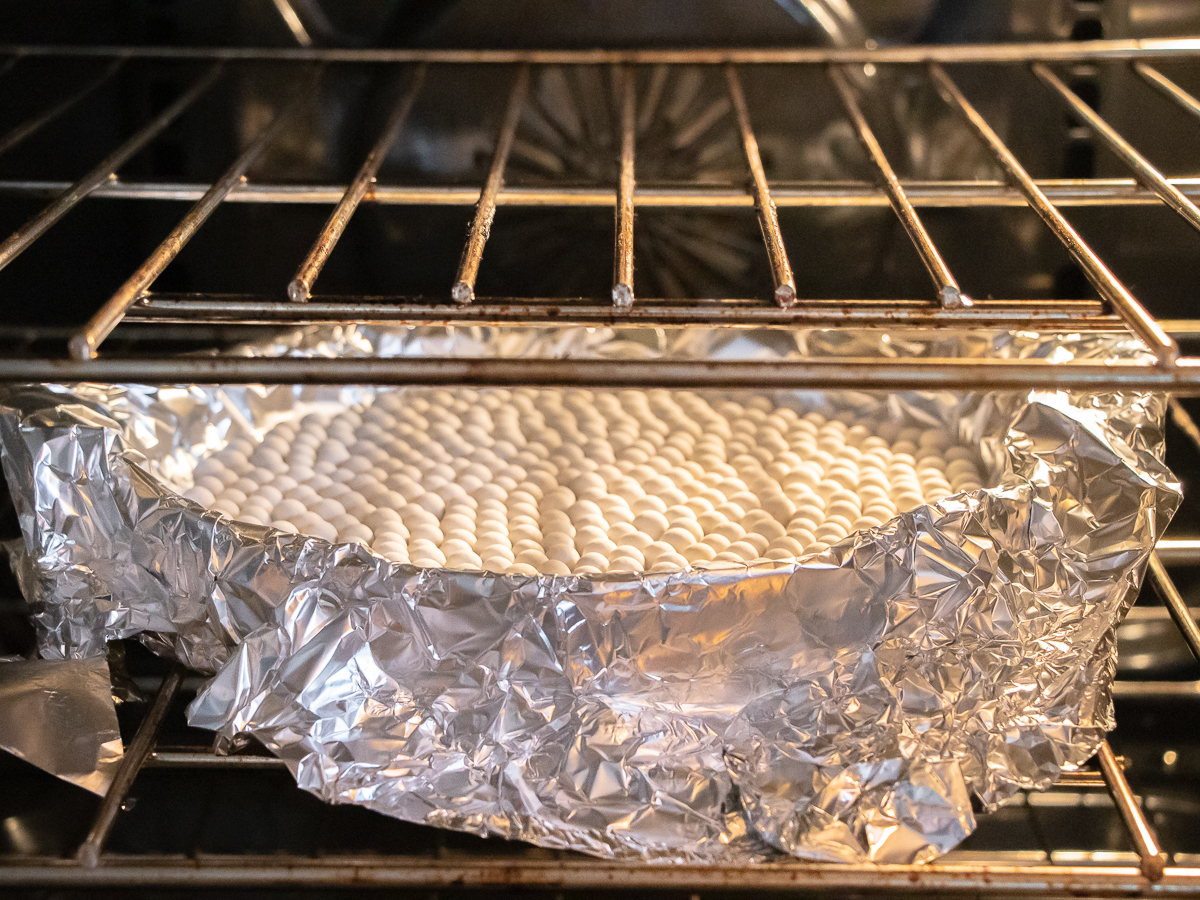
(298,301)
(1146,870)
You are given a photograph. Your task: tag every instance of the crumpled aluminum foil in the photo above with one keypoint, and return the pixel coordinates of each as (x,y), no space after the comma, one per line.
(847,707)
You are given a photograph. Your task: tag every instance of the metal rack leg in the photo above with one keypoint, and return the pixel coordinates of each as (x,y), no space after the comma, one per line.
(306,276)
(1153,859)
(623,251)
(135,756)
(768,216)
(485,210)
(948,293)
(1183,421)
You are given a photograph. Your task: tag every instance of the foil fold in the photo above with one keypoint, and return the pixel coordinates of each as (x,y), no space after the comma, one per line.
(847,707)
(59,715)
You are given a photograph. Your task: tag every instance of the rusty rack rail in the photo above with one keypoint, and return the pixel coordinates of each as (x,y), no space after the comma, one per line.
(1145,871)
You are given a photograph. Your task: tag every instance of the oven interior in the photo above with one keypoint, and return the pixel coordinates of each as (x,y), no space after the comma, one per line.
(192,820)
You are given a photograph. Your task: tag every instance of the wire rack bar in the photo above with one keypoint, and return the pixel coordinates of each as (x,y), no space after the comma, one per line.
(622,294)
(1150,875)
(768,218)
(306,276)
(1157,690)
(84,343)
(950,54)
(1167,87)
(865,374)
(280,870)
(135,756)
(1153,859)
(19,240)
(1183,421)
(1146,173)
(1164,586)
(1179,551)
(1182,616)
(1105,282)
(254,310)
(36,123)
(199,759)
(485,210)
(948,293)
(1112,192)
(293,22)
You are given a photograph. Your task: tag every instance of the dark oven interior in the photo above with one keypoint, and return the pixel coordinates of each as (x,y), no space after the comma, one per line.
(296,96)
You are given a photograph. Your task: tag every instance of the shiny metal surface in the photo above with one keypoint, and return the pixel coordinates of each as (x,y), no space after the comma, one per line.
(626,197)
(243,871)
(463,291)
(183,759)
(1031,315)
(945,287)
(132,762)
(836,18)
(1054,51)
(857,374)
(937,194)
(1075,872)
(249,871)
(300,287)
(1146,173)
(1179,551)
(622,294)
(1166,589)
(293,22)
(1167,87)
(1153,860)
(768,217)
(58,715)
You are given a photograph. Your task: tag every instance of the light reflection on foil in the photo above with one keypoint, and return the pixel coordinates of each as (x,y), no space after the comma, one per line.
(58,715)
(845,708)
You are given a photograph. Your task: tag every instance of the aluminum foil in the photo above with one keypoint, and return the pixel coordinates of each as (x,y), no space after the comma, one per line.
(59,715)
(846,707)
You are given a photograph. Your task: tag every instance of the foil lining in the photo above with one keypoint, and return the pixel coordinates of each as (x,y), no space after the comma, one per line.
(847,707)
(59,715)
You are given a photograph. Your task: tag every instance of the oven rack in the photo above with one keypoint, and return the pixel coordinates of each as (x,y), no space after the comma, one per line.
(299,301)
(1148,870)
